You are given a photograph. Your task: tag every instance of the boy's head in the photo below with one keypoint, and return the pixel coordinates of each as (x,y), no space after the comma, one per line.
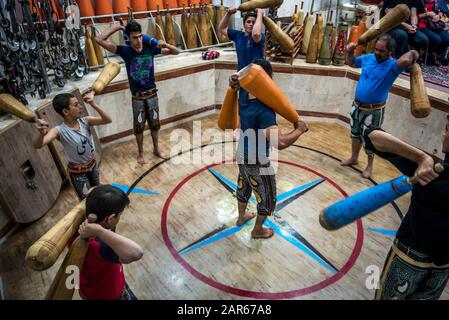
(107,203)
(134,32)
(266,65)
(248,21)
(66,104)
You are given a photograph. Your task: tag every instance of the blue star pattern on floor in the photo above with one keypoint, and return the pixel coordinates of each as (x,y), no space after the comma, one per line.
(279,225)
(134,190)
(391,233)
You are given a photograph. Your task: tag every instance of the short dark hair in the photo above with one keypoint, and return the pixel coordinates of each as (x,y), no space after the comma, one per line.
(133,26)
(266,65)
(249,14)
(391,43)
(105,200)
(62,101)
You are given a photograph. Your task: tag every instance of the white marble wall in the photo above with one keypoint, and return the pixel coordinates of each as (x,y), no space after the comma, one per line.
(176,96)
(335,95)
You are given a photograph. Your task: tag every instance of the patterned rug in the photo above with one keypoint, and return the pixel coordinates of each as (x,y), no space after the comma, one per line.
(436,75)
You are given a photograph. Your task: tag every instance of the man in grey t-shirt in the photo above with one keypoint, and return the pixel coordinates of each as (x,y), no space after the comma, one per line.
(75,134)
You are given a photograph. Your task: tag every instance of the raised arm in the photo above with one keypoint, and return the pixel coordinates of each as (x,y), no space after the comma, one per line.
(45,136)
(407,59)
(350,54)
(223,25)
(126,249)
(102,38)
(257,28)
(103,118)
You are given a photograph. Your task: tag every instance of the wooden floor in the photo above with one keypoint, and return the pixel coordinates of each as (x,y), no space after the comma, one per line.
(192,249)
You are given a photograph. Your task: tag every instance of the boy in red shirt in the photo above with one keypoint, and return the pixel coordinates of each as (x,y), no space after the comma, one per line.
(102,276)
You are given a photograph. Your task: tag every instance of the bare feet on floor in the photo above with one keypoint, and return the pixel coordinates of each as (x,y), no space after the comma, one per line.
(247,216)
(161,155)
(349,162)
(263,233)
(366,173)
(142,160)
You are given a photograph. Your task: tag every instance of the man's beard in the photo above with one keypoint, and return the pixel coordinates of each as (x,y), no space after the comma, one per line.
(379,58)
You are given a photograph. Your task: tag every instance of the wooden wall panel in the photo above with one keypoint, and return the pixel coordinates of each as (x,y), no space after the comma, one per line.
(23,203)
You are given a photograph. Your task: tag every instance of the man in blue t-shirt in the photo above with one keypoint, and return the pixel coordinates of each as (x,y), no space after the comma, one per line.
(138,54)
(379,71)
(258,130)
(249,44)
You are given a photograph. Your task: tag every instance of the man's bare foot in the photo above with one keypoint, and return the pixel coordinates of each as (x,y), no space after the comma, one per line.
(349,162)
(161,155)
(263,233)
(246,217)
(366,173)
(142,159)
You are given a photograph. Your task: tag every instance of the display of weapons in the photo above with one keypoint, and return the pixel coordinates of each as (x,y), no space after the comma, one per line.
(210,10)
(340,47)
(192,41)
(90,51)
(285,42)
(169,30)
(333,35)
(308,26)
(184,24)
(196,16)
(211,17)
(261,4)
(159,30)
(312,50)
(353,34)
(319,19)
(221,12)
(98,49)
(361,30)
(204,28)
(295,15)
(298,16)
(325,57)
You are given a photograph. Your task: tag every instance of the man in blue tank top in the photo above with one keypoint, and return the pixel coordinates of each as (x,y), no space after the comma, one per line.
(379,71)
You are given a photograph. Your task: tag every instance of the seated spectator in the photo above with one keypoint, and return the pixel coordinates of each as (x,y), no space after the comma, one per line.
(408,31)
(433,26)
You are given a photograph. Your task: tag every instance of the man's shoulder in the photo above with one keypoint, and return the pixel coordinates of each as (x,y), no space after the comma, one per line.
(235,33)
(366,58)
